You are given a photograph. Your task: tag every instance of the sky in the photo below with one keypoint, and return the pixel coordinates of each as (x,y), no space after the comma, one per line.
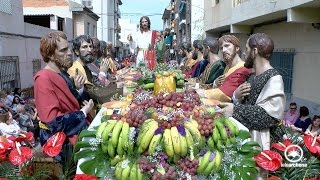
(134,9)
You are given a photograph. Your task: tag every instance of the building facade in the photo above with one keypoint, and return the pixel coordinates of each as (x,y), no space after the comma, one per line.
(20,57)
(295,29)
(70,17)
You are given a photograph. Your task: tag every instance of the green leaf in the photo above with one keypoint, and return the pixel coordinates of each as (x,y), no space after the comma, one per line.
(80,145)
(105,118)
(252,144)
(84,153)
(88,166)
(86,133)
(244,135)
(248,163)
(103,168)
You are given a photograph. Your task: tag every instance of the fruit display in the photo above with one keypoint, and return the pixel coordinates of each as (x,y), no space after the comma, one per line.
(166,136)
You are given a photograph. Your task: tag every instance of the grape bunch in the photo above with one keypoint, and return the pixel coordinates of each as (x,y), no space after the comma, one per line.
(170,173)
(205,125)
(190,100)
(173,120)
(146,166)
(135,116)
(188,166)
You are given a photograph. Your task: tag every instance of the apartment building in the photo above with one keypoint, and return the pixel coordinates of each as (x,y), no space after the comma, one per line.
(294,26)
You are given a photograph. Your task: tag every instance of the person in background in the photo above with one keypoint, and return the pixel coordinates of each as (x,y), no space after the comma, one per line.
(303,122)
(291,115)
(8,126)
(314,127)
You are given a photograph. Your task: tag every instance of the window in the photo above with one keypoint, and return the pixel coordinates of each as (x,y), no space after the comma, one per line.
(88,28)
(36,65)
(9,72)
(60,23)
(94,29)
(282,60)
(5,6)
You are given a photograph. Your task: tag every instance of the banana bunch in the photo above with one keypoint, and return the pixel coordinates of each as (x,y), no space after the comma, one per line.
(224,133)
(148,138)
(209,163)
(115,137)
(126,170)
(193,136)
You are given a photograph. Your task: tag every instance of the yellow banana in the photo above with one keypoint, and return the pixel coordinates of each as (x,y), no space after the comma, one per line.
(215,134)
(233,140)
(100,129)
(176,140)
(167,141)
(120,145)
(111,150)
(183,145)
(118,170)
(139,173)
(126,172)
(222,130)
(210,165)
(115,160)
(107,130)
(189,139)
(144,129)
(204,162)
(116,133)
(104,147)
(219,145)
(210,143)
(145,141)
(218,160)
(125,135)
(195,134)
(232,127)
(133,172)
(154,143)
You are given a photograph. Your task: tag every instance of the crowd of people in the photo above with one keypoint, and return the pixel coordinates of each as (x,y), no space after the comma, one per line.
(17,114)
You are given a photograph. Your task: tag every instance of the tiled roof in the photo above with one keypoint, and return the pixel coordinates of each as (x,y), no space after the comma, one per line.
(44,3)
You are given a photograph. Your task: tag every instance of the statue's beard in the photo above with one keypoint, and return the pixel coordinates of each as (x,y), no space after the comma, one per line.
(88,58)
(249,60)
(65,63)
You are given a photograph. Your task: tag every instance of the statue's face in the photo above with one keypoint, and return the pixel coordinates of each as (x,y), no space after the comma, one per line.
(144,23)
(229,51)
(62,56)
(86,52)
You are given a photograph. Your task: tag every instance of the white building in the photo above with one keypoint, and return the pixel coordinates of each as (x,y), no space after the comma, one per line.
(294,26)
(108,28)
(197,22)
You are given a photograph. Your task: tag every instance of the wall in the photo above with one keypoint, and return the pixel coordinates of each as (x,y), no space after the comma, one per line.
(197,22)
(218,15)
(305,39)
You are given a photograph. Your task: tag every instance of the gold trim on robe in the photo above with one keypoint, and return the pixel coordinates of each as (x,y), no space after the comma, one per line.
(72,71)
